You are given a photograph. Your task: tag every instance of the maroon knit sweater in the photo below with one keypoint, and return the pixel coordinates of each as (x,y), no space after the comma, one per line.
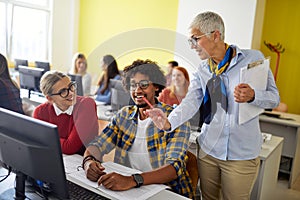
(76,130)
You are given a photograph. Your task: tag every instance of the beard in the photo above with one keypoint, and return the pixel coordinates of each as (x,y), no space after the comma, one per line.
(144,105)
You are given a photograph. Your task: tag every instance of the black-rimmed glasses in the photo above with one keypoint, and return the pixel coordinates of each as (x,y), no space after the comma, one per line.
(143,84)
(194,40)
(65,91)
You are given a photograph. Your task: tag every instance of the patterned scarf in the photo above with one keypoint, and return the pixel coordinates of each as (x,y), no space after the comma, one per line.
(215,88)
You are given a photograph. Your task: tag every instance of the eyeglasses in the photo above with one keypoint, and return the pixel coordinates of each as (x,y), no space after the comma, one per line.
(143,84)
(194,40)
(65,91)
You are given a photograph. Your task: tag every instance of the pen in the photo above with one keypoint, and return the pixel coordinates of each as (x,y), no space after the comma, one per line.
(146,100)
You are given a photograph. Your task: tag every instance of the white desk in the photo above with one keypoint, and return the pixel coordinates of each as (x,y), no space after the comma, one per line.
(268,172)
(9,183)
(71,162)
(104,112)
(269,166)
(288,127)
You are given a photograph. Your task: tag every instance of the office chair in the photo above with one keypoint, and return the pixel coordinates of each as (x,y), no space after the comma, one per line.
(192,168)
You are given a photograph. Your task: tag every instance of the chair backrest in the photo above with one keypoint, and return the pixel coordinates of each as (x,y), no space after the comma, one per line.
(192,168)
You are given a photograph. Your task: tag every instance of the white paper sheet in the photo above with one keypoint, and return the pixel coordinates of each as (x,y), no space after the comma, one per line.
(72,163)
(256,76)
(144,192)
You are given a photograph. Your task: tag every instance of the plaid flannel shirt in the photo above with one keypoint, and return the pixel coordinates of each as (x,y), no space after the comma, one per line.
(163,147)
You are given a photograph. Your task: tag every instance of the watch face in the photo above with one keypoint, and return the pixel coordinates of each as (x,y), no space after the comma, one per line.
(138,179)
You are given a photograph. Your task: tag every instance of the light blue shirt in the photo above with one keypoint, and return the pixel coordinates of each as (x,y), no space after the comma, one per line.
(224,138)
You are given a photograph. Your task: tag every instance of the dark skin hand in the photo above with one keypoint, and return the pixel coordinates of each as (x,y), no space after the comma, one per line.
(94,170)
(115,181)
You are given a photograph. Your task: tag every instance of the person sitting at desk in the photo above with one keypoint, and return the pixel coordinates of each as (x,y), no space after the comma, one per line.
(75,116)
(174,94)
(160,155)
(9,90)
(79,67)
(110,71)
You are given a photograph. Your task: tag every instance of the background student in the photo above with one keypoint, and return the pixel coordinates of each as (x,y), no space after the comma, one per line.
(9,90)
(228,159)
(170,66)
(75,116)
(138,144)
(79,67)
(174,94)
(110,71)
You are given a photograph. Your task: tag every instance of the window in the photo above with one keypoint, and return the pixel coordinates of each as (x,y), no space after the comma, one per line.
(25,27)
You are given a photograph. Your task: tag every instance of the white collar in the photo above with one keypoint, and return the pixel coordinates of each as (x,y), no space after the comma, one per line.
(59,111)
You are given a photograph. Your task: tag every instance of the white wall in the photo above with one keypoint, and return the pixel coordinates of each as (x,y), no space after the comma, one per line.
(64,33)
(238,16)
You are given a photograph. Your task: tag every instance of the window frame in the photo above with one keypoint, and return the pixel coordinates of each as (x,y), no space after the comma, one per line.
(9,20)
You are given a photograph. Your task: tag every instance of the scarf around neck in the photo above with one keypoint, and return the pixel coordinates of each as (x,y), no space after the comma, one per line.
(215,88)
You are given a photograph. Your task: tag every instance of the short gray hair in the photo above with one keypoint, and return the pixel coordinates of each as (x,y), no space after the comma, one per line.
(207,22)
(49,79)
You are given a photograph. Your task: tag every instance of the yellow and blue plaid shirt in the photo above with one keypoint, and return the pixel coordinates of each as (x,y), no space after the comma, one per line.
(164,147)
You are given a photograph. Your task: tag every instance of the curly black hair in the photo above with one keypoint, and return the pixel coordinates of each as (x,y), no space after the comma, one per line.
(148,68)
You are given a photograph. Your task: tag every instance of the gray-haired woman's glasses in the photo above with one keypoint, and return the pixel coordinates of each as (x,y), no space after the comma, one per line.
(194,39)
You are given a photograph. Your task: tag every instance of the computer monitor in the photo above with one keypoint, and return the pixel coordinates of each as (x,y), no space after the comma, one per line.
(43,65)
(30,78)
(19,62)
(31,147)
(119,96)
(78,79)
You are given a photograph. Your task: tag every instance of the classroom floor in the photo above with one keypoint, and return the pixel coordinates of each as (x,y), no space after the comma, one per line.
(283,192)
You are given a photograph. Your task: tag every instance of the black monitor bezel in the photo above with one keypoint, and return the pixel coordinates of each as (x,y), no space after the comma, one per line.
(32,147)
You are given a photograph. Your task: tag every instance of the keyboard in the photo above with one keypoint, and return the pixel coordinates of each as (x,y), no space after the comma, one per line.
(80,193)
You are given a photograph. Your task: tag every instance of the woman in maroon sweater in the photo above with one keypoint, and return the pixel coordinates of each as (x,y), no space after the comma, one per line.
(75,116)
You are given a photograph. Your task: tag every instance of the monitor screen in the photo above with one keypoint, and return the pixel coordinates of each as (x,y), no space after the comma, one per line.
(119,96)
(78,80)
(43,65)
(19,62)
(30,78)
(31,147)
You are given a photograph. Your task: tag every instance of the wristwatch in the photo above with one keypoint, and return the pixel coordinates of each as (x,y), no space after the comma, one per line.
(138,179)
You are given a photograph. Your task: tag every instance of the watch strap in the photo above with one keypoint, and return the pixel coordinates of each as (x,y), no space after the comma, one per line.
(138,179)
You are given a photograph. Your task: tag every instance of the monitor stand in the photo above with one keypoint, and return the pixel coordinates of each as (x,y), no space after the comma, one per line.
(18,193)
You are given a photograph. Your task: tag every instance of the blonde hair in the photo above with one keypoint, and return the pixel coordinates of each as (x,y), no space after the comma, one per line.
(49,79)
(74,59)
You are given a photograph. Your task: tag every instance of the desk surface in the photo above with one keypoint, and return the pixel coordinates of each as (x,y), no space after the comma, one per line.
(287,125)
(284,118)
(269,146)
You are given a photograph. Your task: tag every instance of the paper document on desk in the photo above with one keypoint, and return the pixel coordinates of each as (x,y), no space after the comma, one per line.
(72,163)
(256,75)
(144,192)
